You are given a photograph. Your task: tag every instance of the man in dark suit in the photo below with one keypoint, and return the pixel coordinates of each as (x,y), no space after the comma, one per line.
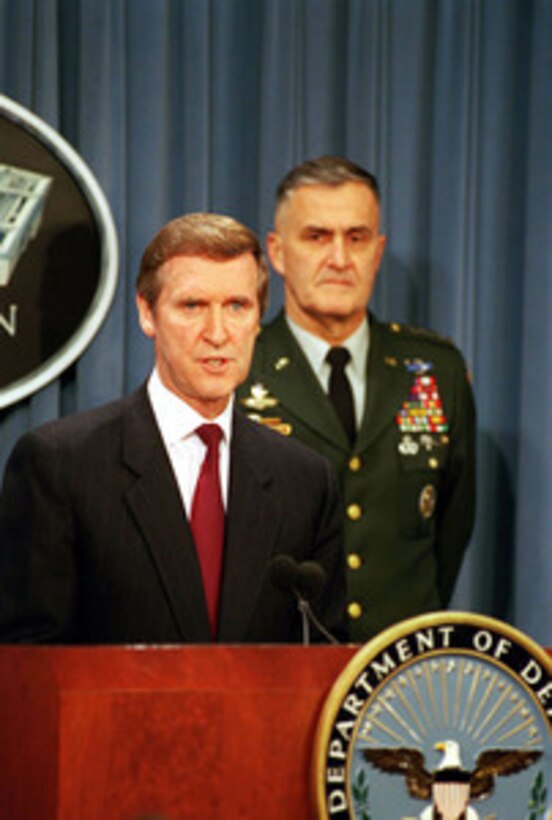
(156,518)
(390,406)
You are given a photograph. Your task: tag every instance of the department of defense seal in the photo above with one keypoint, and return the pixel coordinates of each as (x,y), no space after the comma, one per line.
(447,715)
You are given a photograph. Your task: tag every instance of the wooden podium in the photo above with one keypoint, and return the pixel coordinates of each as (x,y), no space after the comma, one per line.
(161,733)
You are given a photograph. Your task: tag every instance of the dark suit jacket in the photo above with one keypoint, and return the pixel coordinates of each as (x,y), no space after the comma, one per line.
(408,498)
(96,547)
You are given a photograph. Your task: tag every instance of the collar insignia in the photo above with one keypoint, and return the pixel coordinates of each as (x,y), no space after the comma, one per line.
(281,363)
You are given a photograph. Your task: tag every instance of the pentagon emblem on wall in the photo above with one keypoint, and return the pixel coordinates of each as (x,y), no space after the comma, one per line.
(58,254)
(447,715)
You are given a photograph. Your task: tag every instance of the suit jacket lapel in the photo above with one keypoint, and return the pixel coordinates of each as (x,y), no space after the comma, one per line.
(252,525)
(290,378)
(156,506)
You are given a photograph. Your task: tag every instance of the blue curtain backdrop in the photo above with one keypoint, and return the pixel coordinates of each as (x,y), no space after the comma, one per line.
(181,105)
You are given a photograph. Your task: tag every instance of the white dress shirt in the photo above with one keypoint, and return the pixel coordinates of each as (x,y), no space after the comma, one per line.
(316,350)
(178,422)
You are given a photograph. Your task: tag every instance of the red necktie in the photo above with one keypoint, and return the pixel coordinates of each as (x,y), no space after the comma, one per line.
(207,519)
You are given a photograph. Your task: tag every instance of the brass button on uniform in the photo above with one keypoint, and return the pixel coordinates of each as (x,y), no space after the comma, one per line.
(434,463)
(354,610)
(354,512)
(427,501)
(355,464)
(354,561)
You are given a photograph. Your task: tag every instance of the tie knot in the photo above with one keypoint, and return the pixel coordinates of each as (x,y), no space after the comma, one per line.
(210,434)
(338,357)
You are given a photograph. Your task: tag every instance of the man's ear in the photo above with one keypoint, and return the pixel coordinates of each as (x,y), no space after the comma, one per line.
(274,249)
(145,316)
(382,242)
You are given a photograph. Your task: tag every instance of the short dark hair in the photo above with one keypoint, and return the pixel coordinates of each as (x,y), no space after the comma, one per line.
(327,170)
(213,236)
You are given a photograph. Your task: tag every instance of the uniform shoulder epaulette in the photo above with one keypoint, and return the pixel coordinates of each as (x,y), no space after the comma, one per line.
(420,333)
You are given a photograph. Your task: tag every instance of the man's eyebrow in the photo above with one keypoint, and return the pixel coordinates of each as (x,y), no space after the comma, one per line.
(362,228)
(239,297)
(315,227)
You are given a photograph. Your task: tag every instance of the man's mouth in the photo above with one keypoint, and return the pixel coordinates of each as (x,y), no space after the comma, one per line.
(335,279)
(214,363)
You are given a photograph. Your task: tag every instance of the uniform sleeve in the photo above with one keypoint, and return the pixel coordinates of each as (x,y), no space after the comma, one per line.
(457,509)
(37,573)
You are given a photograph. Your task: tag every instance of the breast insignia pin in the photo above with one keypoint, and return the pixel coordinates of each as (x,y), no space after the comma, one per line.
(259,398)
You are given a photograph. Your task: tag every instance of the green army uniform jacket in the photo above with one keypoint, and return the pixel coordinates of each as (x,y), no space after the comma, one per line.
(408,483)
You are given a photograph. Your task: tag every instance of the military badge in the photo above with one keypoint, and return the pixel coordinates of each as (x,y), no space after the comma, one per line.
(429,442)
(444,715)
(422,412)
(408,446)
(258,401)
(259,398)
(275,423)
(418,366)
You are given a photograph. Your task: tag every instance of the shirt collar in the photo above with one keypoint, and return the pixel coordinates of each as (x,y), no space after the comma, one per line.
(316,349)
(175,417)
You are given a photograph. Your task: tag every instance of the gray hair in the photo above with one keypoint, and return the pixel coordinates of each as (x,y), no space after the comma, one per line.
(327,170)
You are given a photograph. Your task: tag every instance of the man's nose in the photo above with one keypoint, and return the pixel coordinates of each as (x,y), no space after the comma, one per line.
(339,252)
(215,326)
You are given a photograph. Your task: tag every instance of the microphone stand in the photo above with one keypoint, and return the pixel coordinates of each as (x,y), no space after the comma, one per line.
(308,617)
(304,581)
(303,606)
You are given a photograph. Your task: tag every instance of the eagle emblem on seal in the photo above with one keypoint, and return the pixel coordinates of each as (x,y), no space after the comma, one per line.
(450,786)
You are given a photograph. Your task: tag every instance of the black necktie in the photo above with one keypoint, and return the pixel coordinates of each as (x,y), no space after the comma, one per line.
(340,389)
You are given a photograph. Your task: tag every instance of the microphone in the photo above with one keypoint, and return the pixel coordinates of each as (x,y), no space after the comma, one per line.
(283,571)
(311,579)
(305,581)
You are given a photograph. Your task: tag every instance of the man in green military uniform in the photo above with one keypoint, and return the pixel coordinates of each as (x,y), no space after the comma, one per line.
(390,406)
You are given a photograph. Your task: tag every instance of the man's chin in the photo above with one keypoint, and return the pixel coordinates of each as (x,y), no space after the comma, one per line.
(217,387)
(209,405)
(338,310)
